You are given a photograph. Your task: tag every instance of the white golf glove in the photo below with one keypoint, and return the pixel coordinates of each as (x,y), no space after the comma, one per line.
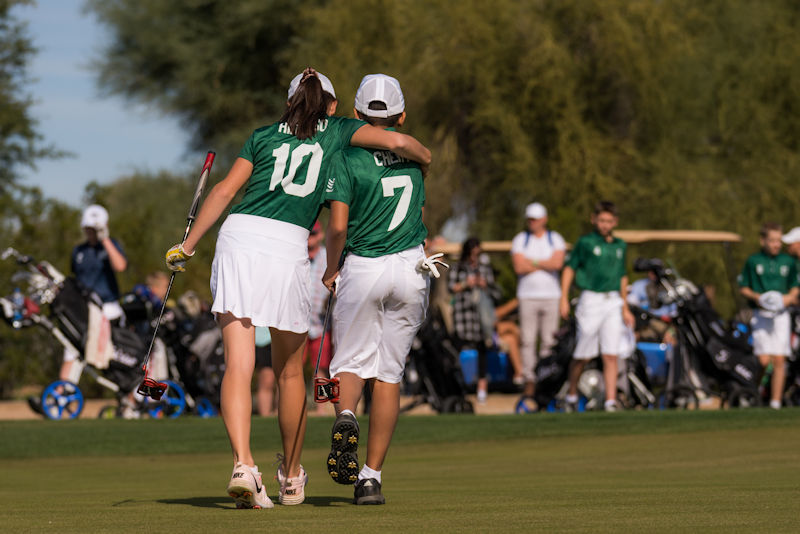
(102,232)
(771,301)
(428,265)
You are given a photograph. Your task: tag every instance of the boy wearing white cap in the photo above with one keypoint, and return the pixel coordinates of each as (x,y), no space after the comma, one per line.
(597,265)
(769,282)
(537,255)
(95,263)
(376,199)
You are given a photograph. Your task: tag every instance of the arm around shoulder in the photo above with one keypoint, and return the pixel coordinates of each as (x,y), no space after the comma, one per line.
(401,144)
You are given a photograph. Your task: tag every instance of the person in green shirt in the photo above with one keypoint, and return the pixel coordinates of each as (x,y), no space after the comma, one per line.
(597,266)
(769,282)
(260,272)
(376,200)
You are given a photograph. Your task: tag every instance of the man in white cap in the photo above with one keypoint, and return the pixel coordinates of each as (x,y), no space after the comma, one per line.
(537,255)
(792,241)
(376,199)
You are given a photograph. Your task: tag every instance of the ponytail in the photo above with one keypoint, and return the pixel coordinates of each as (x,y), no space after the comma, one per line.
(307,106)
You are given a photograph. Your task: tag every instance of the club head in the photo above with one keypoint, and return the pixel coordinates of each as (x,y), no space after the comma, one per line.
(326,389)
(152,388)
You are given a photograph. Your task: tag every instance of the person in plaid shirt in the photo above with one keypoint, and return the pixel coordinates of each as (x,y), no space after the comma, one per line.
(474,294)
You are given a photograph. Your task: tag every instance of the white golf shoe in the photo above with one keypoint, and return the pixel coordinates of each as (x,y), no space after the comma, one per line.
(247,489)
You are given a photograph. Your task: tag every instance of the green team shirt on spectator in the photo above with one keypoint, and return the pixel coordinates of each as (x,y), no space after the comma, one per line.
(599,265)
(288,183)
(763,273)
(385,194)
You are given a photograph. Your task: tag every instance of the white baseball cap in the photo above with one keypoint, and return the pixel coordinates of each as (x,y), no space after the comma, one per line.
(327,86)
(381,88)
(535,211)
(94,216)
(793,236)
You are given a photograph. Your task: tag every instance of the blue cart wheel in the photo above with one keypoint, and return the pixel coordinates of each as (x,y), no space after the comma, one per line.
(205,408)
(62,400)
(172,404)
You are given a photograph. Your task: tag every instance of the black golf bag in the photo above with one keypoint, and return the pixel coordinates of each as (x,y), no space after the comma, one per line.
(552,371)
(71,310)
(433,373)
(710,357)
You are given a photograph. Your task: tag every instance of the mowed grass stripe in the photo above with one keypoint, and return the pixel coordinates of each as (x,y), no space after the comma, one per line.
(657,483)
(26,439)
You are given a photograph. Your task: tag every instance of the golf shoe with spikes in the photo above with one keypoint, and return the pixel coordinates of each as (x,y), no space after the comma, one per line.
(342,461)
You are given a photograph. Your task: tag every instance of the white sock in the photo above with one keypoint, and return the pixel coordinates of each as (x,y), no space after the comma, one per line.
(572,399)
(775,404)
(347,411)
(368,472)
(609,402)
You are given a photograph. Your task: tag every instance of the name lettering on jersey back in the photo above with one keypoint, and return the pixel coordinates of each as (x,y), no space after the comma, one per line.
(385,158)
(322,125)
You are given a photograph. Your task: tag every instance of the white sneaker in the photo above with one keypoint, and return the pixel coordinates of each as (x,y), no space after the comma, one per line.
(612,406)
(482,396)
(247,489)
(292,490)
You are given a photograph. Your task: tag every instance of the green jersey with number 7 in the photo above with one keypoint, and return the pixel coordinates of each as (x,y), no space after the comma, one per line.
(385,194)
(290,187)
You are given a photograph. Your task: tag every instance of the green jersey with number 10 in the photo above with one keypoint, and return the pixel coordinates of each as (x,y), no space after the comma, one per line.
(385,194)
(287,182)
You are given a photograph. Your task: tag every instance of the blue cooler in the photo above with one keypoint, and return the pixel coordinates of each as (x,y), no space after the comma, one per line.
(497,366)
(657,356)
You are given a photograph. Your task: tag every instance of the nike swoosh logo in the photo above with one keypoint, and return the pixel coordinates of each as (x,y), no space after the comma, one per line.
(258,488)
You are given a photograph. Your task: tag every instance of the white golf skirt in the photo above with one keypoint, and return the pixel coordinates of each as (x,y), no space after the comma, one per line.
(772,334)
(380,304)
(600,325)
(261,272)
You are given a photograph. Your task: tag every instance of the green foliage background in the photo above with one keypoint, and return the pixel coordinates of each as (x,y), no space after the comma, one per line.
(685,113)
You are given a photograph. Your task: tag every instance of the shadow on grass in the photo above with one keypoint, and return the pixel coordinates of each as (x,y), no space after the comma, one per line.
(217,501)
(226,502)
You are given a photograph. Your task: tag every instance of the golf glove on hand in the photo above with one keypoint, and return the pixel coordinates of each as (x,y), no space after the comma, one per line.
(102,232)
(428,265)
(176,258)
(771,301)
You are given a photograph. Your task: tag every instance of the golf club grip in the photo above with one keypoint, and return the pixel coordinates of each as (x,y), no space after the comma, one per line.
(201,185)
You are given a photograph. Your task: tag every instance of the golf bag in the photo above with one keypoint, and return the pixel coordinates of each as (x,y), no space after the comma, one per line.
(193,344)
(710,358)
(433,373)
(76,321)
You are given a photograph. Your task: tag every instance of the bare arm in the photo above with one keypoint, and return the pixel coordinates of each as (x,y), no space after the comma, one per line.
(791,297)
(524,265)
(401,144)
(118,262)
(627,316)
(504,309)
(749,294)
(217,200)
(335,240)
(567,275)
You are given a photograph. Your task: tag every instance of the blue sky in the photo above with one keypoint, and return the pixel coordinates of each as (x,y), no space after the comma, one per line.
(110,137)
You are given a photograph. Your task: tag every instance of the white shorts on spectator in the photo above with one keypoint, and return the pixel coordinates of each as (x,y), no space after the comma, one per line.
(772,333)
(600,325)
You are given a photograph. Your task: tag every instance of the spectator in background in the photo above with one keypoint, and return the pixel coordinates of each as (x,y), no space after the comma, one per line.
(265,375)
(597,265)
(537,255)
(95,263)
(770,283)
(474,290)
(792,242)
(319,304)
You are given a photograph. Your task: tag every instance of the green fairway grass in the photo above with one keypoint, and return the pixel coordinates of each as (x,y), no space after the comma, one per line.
(721,471)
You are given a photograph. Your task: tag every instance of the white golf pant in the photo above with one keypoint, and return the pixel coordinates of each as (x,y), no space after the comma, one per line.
(380,304)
